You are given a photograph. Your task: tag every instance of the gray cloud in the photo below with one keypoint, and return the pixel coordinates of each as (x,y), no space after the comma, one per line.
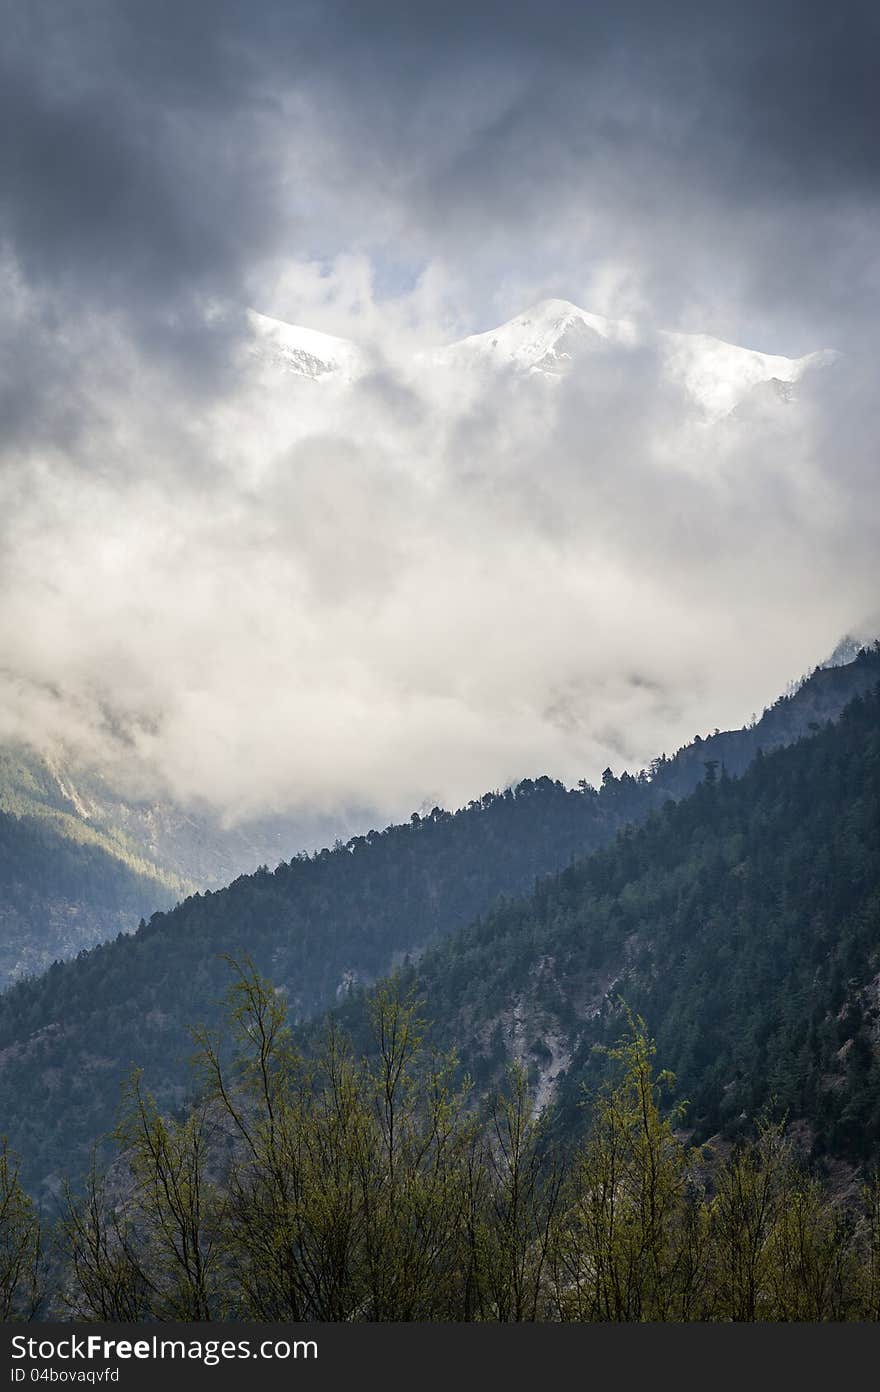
(158,154)
(322,601)
(421,595)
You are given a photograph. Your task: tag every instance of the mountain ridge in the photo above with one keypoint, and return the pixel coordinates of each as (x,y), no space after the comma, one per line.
(548,340)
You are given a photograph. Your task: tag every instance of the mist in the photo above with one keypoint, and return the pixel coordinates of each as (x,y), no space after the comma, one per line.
(222,584)
(310,597)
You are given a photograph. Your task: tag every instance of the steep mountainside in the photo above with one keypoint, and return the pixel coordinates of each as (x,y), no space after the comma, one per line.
(167,850)
(742,923)
(60,894)
(189,849)
(317,926)
(81,807)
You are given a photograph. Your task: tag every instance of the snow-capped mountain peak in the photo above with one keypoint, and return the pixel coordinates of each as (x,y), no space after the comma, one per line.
(547,338)
(718,376)
(555,336)
(551,340)
(304,352)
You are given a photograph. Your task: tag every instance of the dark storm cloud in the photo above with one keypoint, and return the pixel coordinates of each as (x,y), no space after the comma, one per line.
(145,146)
(135,177)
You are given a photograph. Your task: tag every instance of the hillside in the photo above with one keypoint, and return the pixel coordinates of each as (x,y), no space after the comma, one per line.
(188,848)
(60,894)
(72,873)
(743,925)
(168,850)
(319,926)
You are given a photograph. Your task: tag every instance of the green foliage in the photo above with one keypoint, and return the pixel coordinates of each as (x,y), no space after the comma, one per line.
(331,1187)
(522,1175)
(632,1247)
(21,1255)
(105,1280)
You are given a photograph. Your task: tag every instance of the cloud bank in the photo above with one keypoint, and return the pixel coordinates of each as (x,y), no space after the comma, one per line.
(257,591)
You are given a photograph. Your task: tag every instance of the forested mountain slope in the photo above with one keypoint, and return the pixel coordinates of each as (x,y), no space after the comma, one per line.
(80,807)
(59,894)
(742,923)
(170,849)
(74,870)
(317,926)
(188,847)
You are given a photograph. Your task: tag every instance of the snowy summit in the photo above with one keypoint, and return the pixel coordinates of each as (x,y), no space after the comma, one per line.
(550,340)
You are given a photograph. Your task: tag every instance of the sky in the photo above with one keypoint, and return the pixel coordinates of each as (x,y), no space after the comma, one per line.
(227,587)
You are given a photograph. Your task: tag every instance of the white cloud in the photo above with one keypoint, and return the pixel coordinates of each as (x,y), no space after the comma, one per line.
(291,597)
